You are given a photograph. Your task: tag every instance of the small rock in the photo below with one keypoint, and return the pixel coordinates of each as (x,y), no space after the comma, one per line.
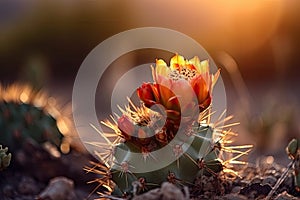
(244,183)
(168,191)
(171,192)
(271,180)
(277,174)
(59,188)
(235,197)
(256,190)
(236,189)
(256,180)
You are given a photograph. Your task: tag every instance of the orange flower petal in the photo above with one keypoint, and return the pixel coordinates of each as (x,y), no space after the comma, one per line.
(201,89)
(167,98)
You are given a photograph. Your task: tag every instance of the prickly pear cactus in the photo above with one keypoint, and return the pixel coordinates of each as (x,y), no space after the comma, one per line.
(25,113)
(169,136)
(4,158)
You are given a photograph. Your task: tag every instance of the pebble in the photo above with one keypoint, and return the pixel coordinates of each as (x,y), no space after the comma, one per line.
(271,180)
(278,174)
(235,197)
(255,190)
(256,180)
(236,189)
(168,191)
(171,192)
(60,188)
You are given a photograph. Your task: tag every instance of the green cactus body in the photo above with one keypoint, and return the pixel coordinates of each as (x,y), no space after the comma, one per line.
(293,148)
(182,171)
(21,121)
(293,151)
(24,114)
(4,158)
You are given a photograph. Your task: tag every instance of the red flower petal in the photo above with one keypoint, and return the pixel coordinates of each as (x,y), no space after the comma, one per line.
(148,94)
(202,91)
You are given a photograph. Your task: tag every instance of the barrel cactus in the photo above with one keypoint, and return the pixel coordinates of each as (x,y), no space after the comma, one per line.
(167,136)
(29,114)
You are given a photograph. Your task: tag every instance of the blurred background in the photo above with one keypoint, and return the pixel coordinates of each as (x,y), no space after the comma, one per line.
(255,43)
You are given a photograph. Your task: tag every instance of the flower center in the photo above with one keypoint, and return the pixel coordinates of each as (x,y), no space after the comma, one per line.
(182,73)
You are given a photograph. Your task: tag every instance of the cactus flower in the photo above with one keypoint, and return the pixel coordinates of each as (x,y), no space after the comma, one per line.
(185,82)
(183,89)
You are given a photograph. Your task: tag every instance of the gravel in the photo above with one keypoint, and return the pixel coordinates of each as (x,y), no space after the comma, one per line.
(26,183)
(255,181)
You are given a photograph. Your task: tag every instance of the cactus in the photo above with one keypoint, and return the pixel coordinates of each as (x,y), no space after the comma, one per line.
(293,151)
(182,128)
(4,158)
(25,113)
